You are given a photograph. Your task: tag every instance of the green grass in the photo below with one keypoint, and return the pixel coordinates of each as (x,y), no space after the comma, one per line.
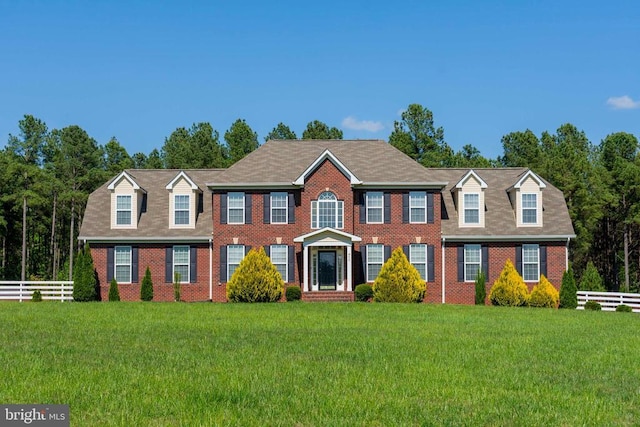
(138,364)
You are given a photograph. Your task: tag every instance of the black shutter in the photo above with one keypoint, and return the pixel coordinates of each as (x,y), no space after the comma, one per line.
(485,261)
(291,206)
(134,265)
(405,208)
(200,203)
(247,248)
(266,208)
(431,270)
(223,208)
(247,209)
(387,253)
(363,208)
(168,264)
(405,249)
(363,254)
(387,208)
(223,264)
(430,208)
(291,262)
(543,260)
(110,264)
(267,250)
(193,264)
(460,263)
(519,259)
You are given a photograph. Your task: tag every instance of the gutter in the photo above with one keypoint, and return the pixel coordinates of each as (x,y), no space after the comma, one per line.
(510,238)
(155,239)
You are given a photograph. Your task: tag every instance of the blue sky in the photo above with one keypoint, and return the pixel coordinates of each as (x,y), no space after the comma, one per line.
(138,70)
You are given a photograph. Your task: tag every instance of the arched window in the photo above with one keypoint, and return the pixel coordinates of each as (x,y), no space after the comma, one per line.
(327,211)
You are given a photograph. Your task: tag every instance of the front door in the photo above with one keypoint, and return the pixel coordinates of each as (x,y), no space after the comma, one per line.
(326,270)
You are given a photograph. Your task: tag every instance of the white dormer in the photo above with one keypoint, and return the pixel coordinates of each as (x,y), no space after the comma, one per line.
(526,197)
(469,194)
(126,201)
(183,201)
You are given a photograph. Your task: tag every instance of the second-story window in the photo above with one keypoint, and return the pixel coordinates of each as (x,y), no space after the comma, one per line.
(327,211)
(279,208)
(374,207)
(418,206)
(235,208)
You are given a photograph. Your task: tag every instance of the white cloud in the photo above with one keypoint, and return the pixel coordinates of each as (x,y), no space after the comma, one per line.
(622,103)
(354,124)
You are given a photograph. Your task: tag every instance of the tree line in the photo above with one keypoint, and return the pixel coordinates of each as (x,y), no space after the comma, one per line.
(49,174)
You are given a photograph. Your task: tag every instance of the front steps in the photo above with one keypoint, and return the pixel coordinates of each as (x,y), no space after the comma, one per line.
(328,296)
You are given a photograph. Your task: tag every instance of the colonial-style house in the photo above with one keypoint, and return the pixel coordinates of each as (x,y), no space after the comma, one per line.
(328,213)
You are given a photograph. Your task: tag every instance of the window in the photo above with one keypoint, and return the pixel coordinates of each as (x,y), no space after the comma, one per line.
(181,212)
(530,208)
(181,263)
(472,262)
(235,253)
(327,211)
(123,210)
(472,208)
(235,208)
(122,263)
(278,208)
(418,258)
(375,259)
(530,263)
(278,254)
(418,207)
(374,207)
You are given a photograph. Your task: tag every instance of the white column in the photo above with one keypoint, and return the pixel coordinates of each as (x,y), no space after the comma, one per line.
(349,272)
(305,269)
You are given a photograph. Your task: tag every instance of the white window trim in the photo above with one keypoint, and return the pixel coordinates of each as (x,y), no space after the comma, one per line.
(464,209)
(315,213)
(419,206)
(188,264)
(537,248)
(286,208)
(479,263)
(422,246)
(381,263)
(285,278)
(229,258)
(522,209)
(130,210)
(115,263)
(381,207)
(229,208)
(188,210)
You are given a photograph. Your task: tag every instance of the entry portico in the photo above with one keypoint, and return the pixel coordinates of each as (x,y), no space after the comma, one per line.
(324,254)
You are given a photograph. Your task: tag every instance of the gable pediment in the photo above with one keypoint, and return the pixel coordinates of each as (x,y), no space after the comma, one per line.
(327,156)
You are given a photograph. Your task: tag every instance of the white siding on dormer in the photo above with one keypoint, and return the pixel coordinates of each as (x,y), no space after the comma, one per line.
(528,186)
(472,185)
(124,187)
(182,187)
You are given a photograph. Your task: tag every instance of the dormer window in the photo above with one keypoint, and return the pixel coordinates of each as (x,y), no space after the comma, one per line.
(529,208)
(123,209)
(181,209)
(471,208)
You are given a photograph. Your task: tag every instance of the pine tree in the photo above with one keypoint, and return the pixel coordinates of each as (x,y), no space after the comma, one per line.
(255,280)
(509,289)
(481,290)
(84,277)
(591,279)
(568,291)
(114,293)
(398,281)
(146,288)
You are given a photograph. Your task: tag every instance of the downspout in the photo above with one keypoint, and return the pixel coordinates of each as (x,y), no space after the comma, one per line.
(210,269)
(443,274)
(566,255)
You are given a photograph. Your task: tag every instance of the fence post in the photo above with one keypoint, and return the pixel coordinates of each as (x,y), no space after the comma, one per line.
(20,291)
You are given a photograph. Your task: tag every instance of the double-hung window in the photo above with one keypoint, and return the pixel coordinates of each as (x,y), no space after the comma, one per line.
(235,206)
(181,263)
(375,205)
(471,208)
(472,262)
(123,209)
(122,264)
(278,254)
(418,207)
(375,259)
(181,211)
(327,211)
(529,208)
(531,263)
(279,208)
(235,253)
(418,258)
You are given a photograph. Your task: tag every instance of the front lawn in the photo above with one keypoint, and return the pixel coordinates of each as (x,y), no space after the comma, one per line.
(139,364)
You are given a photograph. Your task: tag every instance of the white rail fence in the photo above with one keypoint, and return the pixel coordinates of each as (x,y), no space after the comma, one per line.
(609,300)
(54,290)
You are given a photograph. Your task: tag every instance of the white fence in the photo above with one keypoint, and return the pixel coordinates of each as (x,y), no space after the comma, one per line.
(609,300)
(51,290)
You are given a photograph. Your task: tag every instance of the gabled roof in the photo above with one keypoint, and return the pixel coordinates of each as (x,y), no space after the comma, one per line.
(528,174)
(184,176)
(327,155)
(468,175)
(328,231)
(124,175)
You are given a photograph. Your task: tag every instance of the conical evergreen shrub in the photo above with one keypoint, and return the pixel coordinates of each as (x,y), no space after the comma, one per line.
(114,292)
(544,294)
(481,290)
(591,279)
(568,291)
(398,281)
(84,277)
(255,280)
(509,289)
(146,287)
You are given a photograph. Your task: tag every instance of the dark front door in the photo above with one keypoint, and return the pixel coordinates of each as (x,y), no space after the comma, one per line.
(326,270)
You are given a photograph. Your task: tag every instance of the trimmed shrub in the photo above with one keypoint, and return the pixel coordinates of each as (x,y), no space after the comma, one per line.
(624,308)
(591,279)
(481,290)
(509,289)
(568,291)
(255,280)
(84,277)
(592,305)
(114,292)
(364,292)
(146,288)
(398,280)
(293,293)
(176,287)
(544,294)
(36,296)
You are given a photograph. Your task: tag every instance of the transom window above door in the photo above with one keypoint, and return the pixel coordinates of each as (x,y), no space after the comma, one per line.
(327,211)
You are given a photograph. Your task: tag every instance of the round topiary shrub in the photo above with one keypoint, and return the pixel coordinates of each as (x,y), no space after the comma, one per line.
(255,280)
(509,289)
(624,308)
(364,292)
(36,296)
(544,294)
(592,305)
(398,281)
(293,293)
